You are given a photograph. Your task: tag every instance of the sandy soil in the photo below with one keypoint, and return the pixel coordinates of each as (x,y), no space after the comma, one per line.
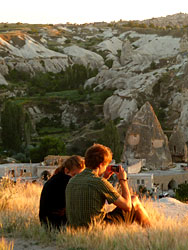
(20,244)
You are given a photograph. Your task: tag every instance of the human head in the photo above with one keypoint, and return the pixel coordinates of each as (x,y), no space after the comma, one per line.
(96,155)
(71,166)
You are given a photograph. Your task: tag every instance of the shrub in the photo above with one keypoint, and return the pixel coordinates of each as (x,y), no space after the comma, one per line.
(72,78)
(21,157)
(109,63)
(47,146)
(16,76)
(142,189)
(153,65)
(182,192)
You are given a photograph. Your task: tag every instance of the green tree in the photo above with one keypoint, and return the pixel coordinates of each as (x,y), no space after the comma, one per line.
(111,139)
(12,122)
(182,192)
(47,146)
(72,77)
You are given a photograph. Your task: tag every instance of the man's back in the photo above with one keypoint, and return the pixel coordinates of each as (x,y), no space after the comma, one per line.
(85,198)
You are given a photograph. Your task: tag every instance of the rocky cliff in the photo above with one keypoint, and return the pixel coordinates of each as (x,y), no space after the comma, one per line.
(138,63)
(145,139)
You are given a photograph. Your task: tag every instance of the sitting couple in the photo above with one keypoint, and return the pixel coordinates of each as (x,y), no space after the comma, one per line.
(84,196)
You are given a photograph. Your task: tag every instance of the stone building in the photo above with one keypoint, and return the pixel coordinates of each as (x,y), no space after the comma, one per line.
(141,179)
(170,179)
(145,139)
(177,146)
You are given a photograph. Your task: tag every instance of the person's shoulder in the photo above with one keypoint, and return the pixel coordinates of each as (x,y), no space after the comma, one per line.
(74,178)
(61,176)
(107,183)
(58,179)
(79,178)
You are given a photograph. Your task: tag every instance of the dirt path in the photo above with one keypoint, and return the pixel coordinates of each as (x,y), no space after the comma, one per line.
(21,244)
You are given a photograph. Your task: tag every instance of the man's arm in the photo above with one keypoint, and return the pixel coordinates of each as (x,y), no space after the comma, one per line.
(124,201)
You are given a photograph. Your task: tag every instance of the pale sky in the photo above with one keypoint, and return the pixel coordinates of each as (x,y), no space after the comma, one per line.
(85,11)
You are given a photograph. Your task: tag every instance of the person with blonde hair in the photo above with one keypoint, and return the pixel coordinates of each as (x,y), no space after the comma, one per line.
(52,200)
(87,193)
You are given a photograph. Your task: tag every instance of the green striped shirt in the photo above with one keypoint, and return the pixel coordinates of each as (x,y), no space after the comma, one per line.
(86,194)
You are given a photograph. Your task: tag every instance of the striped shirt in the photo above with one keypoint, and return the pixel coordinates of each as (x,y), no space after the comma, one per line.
(86,194)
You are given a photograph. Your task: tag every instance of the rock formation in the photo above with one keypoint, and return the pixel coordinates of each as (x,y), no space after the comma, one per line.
(126,52)
(119,106)
(184,44)
(84,56)
(183,119)
(143,66)
(177,146)
(23,53)
(145,140)
(113,45)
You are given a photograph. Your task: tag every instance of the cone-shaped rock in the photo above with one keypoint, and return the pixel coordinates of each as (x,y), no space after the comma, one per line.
(177,146)
(145,139)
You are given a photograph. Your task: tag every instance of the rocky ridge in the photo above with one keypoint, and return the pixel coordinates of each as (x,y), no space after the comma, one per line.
(138,64)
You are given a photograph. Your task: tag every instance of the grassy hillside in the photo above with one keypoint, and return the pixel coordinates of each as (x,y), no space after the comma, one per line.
(19,207)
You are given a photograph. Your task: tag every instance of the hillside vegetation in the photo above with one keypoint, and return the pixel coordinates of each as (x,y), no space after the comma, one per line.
(68,82)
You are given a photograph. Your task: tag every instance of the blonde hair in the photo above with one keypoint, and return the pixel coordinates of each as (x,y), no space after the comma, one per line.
(74,161)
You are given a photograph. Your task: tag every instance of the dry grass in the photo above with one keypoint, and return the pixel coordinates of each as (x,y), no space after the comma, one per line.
(19,205)
(4,245)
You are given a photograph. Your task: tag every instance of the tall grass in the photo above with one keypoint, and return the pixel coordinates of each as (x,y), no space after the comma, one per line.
(4,245)
(19,206)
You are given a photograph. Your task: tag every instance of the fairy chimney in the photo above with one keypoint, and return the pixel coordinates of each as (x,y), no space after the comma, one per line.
(145,139)
(177,146)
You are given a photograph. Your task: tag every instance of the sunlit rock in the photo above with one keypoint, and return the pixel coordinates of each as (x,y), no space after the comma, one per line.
(178,146)
(83,56)
(145,139)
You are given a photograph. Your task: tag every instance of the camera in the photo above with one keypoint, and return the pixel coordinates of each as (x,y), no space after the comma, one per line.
(115,168)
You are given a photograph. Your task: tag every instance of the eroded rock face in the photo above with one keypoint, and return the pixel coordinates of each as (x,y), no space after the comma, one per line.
(184,44)
(2,80)
(113,45)
(126,53)
(145,140)
(119,106)
(177,146)
(183,120)
(83,56)
(23,53)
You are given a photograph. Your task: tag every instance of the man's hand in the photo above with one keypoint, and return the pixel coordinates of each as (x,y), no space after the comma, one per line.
(124,201)
(108,172)
(121,174)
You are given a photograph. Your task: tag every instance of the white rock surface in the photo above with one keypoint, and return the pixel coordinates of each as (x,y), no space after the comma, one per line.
(157,46)
(61,40)
(183,120)
(171,207)
(2,80)
(113,45)
(31,49)
(116,106)
(83,56)
(29,56)
(148,48)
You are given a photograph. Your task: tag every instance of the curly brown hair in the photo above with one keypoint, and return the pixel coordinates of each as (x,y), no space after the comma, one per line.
(97,154)
(74,161)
